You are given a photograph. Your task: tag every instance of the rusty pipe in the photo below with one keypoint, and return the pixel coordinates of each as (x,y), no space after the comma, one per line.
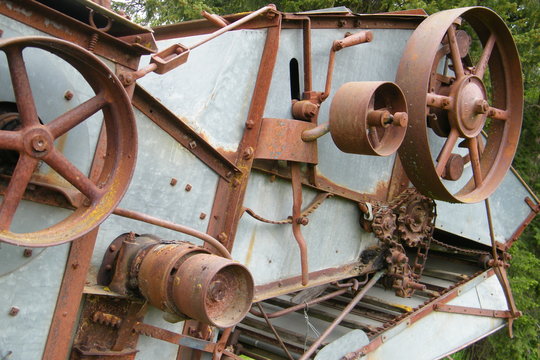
(215,19)
(341,316)
(234,25)
(306,36)
(298,220)
(134,215)
(354,39)
(316,132)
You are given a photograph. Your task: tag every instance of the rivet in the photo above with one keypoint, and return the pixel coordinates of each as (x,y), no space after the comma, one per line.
(188,187)
(173,182)
(202,216)
(27,252)
(14,311)
(68,95)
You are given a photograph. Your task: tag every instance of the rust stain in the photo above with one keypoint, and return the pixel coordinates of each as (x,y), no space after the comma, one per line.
(250,247)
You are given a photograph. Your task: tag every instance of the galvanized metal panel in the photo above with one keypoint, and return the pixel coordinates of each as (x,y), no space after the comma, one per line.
(438,333)
(159,160)
(32,288)
(508,210)
(333,236)
(213,97)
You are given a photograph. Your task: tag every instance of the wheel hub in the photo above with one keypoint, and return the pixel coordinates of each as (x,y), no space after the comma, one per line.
(470,106)
(38,142)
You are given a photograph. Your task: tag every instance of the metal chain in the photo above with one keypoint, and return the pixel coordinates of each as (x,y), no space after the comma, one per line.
(317,201)
(458,249)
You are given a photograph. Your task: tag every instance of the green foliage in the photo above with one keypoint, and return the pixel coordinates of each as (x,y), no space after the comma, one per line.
(523,19)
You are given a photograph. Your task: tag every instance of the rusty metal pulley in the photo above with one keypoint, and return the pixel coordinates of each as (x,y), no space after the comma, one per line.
(448,97)
(35,143)
(368,118)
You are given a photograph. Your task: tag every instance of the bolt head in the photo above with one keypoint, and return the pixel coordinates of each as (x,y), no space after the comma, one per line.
(14,311)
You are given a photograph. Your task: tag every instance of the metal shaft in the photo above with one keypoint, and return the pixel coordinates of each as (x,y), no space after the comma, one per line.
(341,316)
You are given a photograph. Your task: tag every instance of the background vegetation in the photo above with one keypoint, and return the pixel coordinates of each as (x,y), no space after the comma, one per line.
(523,19)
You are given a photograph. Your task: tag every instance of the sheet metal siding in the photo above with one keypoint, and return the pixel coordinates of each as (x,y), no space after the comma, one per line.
(159,160)
(333,235)
(212,91)
(508,209)
(24,278)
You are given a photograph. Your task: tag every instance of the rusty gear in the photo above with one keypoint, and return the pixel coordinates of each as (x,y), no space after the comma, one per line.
(384,224)
(415,220)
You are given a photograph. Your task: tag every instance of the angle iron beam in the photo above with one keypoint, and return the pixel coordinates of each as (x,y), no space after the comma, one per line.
(227,209)
(185,135)
(466,310)
(39,16)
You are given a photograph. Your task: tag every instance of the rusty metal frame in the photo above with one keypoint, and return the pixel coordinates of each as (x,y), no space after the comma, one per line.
(227,208)
(73,30)
(296,21)
(65,314)
(535,209)
(407,319)
(467,310)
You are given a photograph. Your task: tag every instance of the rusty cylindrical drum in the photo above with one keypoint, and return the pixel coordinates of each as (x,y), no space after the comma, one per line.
(368,118)
(158,266)
(213,290)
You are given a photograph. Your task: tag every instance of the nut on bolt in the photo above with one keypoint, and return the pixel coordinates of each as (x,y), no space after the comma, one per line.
(302,220)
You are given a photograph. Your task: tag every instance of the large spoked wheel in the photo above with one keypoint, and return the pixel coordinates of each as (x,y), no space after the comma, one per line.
(35,143)
(447,98)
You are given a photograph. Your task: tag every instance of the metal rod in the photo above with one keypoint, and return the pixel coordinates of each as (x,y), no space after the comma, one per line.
(525,185)
(215,19)
(341,316)
(297,218)
(316,132)
(134,215)
(306,35)
(278,338)
(235,24)
(301,306)
(499,270)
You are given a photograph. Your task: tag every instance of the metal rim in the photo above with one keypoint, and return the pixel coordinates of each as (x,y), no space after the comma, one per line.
(35,142)
(464,103)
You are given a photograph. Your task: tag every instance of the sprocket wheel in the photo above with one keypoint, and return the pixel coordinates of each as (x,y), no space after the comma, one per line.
(35,143)
(384,224)
(456,105)
(415,220)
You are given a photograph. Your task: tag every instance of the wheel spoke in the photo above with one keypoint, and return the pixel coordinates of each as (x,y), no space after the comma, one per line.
(15,190)
(475,161)
(75,116)
(454,51)
(10,140)
(374,137)
(446,151)
(481,66)
(74,176)
(21,87)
